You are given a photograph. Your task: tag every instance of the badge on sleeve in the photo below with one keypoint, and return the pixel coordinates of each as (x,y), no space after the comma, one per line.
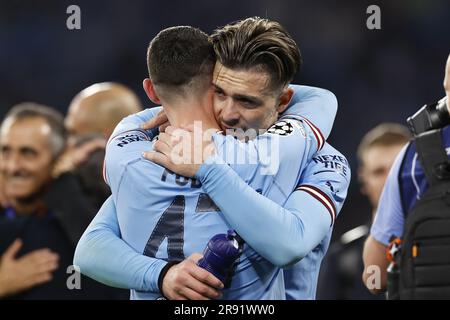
(282,128)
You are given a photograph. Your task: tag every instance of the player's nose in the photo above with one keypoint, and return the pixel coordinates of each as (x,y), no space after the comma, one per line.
(230,115)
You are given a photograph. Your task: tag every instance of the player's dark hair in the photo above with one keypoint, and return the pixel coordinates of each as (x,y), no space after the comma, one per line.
(179,55)
(260,43)
(54,119)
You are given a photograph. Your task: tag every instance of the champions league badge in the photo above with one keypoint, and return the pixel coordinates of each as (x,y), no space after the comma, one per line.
(282,128)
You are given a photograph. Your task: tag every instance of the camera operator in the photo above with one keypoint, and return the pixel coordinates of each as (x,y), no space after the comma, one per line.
(421,168)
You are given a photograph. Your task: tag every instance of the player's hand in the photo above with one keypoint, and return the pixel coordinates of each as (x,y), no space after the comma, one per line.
(18,274)
(182,151)
(160,120)
(74,156)
(447,82)
(188,281)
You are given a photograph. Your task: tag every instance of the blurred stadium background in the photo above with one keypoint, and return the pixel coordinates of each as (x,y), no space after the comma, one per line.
(380,75)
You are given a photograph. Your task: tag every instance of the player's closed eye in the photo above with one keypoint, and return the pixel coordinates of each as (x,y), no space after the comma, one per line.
(247,104)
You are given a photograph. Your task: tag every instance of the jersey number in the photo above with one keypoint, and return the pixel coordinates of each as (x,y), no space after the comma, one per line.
(171,226)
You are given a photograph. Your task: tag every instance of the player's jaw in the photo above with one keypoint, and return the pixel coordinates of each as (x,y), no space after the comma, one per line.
(257,121)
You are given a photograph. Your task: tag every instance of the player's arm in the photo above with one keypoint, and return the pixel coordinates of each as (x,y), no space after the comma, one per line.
(273,161)
(316,105)
(281,234)
(389,221)
(278,156)
(103,256)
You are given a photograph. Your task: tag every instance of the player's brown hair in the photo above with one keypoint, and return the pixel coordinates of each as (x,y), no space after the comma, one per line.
(258,43)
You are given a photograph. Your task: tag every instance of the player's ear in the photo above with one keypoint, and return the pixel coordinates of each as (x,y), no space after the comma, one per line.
(285,98)
(150,91)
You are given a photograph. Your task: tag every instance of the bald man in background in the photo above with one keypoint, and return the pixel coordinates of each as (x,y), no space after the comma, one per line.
(99,108)
(92,116)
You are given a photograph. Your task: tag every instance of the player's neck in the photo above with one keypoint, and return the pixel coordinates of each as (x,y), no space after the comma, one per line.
(188,111)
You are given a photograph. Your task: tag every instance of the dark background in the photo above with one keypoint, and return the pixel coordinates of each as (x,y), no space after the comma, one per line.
(377,75)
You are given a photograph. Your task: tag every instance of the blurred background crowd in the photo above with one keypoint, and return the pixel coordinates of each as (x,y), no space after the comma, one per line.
(379,77)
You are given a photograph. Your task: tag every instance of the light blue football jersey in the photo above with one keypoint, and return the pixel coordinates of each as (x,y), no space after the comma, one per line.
(167,216)
(108,259)
(326,179)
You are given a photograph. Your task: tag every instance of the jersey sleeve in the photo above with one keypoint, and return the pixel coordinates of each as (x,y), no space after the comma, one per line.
(317,107)
(389,218)
(103,256)
(326,180)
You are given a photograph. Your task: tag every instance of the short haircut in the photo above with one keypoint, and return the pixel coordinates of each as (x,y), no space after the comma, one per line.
(180,56)
(386,135)
(53,118)
(258,43)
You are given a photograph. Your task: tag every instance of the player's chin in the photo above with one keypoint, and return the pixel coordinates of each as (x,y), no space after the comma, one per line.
(225,128)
